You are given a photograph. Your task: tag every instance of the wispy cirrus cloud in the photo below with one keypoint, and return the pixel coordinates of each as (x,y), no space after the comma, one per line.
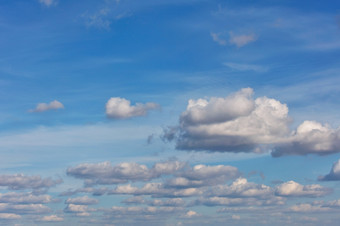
(246,67)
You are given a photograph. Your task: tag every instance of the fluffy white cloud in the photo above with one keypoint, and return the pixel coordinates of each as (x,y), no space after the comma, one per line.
(24,198)
(239,123)
(84,200)
(311,138)
(202,175)
(241,40)
(79,210)
(9,216)
(52,218)
(20,181)
(241,188)
(334,174)
(217,110)
(53,105)
(24,209)
(120,108)
(105,173)
(291,188)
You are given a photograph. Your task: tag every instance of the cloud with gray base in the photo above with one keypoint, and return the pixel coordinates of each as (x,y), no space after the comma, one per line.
(292,188)
(120,108)
(334,174)
(240,123)
(53,105)
(21,182)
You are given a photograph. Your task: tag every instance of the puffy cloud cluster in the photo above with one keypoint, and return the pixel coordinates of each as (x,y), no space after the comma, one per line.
(105,173)
(291,188)
(334,174)
(21,181)
(53,105)
(311,138)
(239,123)
(120,108)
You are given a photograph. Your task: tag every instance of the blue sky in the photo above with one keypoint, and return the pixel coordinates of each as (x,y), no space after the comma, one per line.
(125,112)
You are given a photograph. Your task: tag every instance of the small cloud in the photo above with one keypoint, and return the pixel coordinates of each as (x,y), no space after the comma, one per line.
(52,218)
(216,37)
(191,213)
(241,40)
(236,217)
(53,105)
(246,67)
(48,3)
(120,108)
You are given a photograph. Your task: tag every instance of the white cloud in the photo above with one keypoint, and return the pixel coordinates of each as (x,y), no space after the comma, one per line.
(84,200)
(24,209)
(241,188)
(216,110)
(24,198)
(20,181)
(334,174)
(53,105)
(120,108)
(235,217)
(311,138)
(241,40)
(52,218)
(238,123)
(246,67)
(291,188)
(191,213)
(79,210)
(48,3)
(105,173)
(216,37)
(9,216)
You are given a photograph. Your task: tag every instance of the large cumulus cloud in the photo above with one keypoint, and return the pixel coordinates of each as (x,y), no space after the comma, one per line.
(240,123)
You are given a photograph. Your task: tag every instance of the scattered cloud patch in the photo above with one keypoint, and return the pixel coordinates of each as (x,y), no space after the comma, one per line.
(21,182)
(241,40)
(291,188)
(48,3)
(216,37)
(246,67)
(120,108)
(311,137)
(105,173)
(84,200)
(53,105)
(52,218)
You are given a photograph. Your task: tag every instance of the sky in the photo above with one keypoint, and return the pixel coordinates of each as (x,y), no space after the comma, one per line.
(169,112)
